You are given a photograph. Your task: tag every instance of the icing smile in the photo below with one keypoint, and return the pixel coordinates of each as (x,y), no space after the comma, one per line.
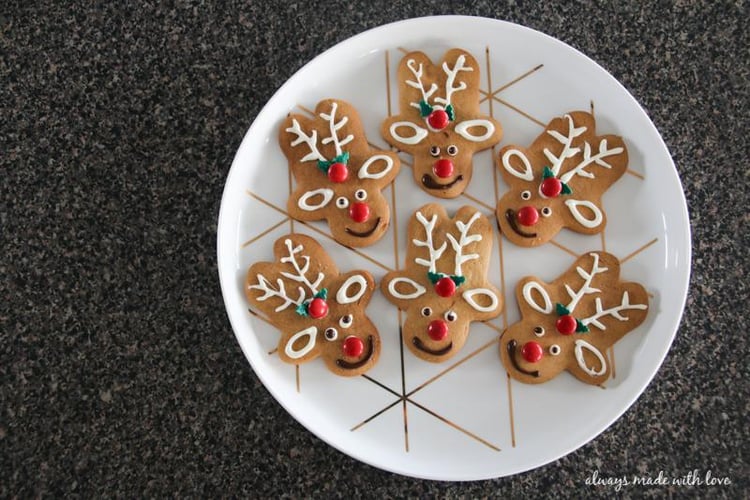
(437,352)
(512,355)
(510,216)
(429,182)
(357,364)
(364,234)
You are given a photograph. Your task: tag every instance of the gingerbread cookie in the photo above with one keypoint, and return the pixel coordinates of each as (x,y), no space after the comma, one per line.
(558,181)
(339,177)
(439,122)
(570,323)
(444,286)
(320,312)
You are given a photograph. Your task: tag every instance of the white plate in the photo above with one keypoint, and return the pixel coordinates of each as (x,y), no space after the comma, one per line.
(462,419)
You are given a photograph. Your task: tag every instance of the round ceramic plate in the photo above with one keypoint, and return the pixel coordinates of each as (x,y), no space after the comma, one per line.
(463,419)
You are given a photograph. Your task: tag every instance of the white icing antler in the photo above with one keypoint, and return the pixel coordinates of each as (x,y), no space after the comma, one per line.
(269,291)
(452,72)
(580,169)
(625,305)
(300,275)
(435,253)
(566,141)
(464,241)
(334,127)
(417,72)
(311,141)
(586,288)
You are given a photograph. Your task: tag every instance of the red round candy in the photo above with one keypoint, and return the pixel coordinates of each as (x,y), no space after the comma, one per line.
(532,351)
(317,308)
(359,212)
(437,330)
(353,347)
(551,187)
(443,168)
(528,216)
(566,324)
(438,119)
(338,172)
(445,287)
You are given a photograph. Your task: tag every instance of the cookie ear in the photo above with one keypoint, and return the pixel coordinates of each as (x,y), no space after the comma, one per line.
(401,290)
(589,364)
(532,294)
(403,134)
(356,286)
(588,216)
(301,346)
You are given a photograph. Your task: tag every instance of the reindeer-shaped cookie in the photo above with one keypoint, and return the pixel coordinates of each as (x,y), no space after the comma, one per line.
(444,286)
(339,178)
(558,181)
(570,323)
(320,312)
(439,122)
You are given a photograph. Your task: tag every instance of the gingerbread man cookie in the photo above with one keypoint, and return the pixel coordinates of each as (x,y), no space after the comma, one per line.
(559,180)
(570,323)
(439,121)
(444,285)
(320,312)
(339,177)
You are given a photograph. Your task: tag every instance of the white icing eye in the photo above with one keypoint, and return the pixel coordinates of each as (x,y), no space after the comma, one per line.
(426,311)
(451,316)
(452,150)
(554,349)
(526,195)
(435,151)
(342,202)
(346,321)
(539,331)
(546,211)
(360,194)
(331,334)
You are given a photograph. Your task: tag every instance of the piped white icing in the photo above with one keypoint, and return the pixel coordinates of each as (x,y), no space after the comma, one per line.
(468,296)
(576,212)
(364,170)
(325,192)
(580,346)
(418,289)
(419,133)
(527,174)
(310,332)
(529,298)
(462,129)
(343,297)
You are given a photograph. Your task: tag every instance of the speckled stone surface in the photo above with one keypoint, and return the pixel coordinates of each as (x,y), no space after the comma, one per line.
(119,373)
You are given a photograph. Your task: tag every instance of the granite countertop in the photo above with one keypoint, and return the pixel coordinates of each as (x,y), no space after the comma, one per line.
(119,373)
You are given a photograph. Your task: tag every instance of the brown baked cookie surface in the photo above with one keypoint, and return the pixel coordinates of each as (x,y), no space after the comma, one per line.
(570,323)
(444,285)
(319,311)
(439,121)
(339,176)
(558,181)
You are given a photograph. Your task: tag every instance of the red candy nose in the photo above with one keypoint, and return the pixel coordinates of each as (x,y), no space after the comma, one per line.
(443,168)
(532,352)
(445,287)
(438,119)
(359,212)
(437,330)
(528,216)
(353,347)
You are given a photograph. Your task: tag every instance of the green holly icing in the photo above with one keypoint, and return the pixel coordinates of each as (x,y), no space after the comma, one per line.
(322,294)
(547,173)
(566,189)
(458,280)
(324,165)
(435,277)
(451,112)
(424,109)
(580,327)
(302,309)
(561,310)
